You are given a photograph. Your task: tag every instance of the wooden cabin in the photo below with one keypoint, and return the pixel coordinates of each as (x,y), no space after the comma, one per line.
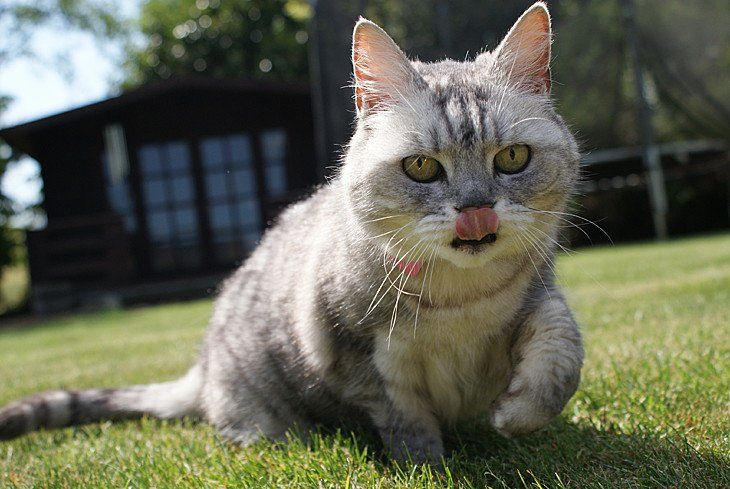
(161,191)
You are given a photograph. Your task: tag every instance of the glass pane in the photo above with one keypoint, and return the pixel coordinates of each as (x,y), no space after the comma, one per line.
(225,235)
(130,223)
(249,213)
(150,159)
(154,193)
(187,222)
(240,148)
(182,189)
(178,156)
(220,216)
(276,180)
(245,182)
(118,196)
(273,146)
(211,151)
(215,184)
(159,226)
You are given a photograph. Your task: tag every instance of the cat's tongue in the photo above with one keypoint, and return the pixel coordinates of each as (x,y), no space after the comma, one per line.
(474,223)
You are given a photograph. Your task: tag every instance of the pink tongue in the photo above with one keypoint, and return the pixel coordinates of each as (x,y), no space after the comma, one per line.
(474,223)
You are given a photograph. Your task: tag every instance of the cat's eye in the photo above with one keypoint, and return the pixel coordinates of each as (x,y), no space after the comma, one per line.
(512,159)
(421,168)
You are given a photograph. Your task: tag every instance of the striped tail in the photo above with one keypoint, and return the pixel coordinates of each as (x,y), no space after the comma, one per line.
(57,409)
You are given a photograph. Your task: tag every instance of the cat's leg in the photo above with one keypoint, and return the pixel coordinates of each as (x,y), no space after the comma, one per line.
(547,356)
(409,431)
(243,402)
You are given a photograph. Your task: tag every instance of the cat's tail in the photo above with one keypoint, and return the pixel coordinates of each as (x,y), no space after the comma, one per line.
(57,409)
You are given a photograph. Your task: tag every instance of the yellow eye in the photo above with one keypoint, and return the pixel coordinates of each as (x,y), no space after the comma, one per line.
(422,168)
(512,159)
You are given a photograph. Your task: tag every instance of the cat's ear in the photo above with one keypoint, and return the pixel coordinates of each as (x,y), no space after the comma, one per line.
(382,73)
(523,56)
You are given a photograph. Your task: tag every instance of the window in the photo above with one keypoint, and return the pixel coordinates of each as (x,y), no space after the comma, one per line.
(169,198)
(232,200)
(273,147)
(118,194)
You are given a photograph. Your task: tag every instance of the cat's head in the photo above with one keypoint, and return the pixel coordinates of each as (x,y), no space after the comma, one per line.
(466,161)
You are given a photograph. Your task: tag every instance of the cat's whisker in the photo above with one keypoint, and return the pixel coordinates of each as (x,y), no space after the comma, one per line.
(403,270)
(400,288)
(569,224)
(382,218)
(420,294)
(404,277)
(376,301)
(574,252)
(423,283)
(586,220)
(566,250)
(394,315)
(371,307)
(369,238)
(541,248)
(430,277)
(528,119)
(533,264)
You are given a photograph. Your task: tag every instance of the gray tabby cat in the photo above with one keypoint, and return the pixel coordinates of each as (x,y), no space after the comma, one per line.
(413,290)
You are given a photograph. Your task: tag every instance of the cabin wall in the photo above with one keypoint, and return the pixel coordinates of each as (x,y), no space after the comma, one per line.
(90,247)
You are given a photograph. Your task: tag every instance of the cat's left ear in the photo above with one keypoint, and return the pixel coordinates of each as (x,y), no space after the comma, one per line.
(383,74)
(524,54)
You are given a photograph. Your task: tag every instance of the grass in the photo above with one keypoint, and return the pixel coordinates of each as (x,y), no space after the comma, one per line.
(652,411)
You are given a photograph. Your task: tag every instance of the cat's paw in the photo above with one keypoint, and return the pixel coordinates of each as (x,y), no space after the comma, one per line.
(419,448)
(520,411)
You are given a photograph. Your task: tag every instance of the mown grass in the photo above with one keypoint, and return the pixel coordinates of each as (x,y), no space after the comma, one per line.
(652,411)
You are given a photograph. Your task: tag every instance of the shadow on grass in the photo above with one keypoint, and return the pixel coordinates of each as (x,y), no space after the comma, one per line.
(572,455)
(562,455)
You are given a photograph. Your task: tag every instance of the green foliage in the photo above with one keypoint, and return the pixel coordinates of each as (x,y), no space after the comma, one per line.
(688,57)
(684,48)
(257,38)
(22,17)
(651,410)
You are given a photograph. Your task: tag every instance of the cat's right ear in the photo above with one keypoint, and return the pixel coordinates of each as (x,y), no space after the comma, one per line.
(382,73)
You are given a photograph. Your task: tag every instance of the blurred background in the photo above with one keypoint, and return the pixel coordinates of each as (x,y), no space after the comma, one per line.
(146,144)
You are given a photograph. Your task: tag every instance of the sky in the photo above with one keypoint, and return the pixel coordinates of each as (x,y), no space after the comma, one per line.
(42,87)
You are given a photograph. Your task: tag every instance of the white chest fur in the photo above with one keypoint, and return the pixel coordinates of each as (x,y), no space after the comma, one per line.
(454,363)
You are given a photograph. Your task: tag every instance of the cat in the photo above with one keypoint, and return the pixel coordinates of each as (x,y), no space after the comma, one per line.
(414,289)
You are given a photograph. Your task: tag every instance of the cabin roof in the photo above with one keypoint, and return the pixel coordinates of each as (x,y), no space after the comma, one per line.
(166,87)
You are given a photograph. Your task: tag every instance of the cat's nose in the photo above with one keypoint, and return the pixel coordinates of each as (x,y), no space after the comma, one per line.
(474,223)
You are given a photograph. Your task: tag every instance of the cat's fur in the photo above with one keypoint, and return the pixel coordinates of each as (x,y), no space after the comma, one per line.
(319,324)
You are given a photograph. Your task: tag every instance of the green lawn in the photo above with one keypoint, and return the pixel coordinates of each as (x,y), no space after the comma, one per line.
(653,409)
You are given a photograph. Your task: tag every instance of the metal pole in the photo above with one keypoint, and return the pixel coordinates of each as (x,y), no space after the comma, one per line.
(330,69)
(650,152)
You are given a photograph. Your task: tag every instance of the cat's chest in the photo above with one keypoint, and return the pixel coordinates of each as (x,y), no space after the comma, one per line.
(457,363)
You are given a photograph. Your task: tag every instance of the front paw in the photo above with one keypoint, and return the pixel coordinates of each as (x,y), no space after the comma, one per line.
(415,447)
(521,410)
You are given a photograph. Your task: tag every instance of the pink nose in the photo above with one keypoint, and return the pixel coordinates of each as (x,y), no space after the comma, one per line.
(474,223)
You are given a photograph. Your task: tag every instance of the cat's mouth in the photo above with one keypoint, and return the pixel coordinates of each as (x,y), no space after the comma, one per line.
(473,245)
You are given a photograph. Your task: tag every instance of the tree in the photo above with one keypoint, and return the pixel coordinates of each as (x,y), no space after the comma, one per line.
(257,38)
